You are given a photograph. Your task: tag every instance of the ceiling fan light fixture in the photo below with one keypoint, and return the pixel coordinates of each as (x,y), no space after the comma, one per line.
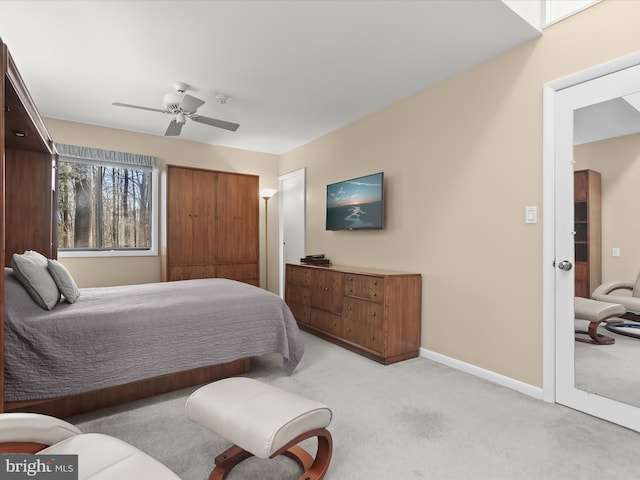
(172,101)
(182,106)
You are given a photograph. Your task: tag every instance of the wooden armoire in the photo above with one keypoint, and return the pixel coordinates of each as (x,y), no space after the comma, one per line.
(212,225)
(588,231)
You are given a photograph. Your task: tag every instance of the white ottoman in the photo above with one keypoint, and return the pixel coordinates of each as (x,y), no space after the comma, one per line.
(264,421)
(595,312)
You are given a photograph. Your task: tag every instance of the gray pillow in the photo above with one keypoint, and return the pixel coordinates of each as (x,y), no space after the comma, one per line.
(30,268)
(64,280)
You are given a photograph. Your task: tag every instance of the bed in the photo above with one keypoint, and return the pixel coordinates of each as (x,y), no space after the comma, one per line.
(76,357)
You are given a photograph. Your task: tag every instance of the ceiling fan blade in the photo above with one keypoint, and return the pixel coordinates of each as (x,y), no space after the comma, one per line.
(190,104)
(215,122)
(174,129)
(119,104)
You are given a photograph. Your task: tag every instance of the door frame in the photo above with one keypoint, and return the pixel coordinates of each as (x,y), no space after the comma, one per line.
(283,212)
(554,382)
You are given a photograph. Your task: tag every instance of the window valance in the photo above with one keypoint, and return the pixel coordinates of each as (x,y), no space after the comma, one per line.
(102,157)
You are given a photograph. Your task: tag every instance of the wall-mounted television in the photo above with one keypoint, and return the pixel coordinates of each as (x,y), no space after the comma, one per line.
(356,204)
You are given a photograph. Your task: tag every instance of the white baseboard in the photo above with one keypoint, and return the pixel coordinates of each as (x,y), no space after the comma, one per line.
(527,389)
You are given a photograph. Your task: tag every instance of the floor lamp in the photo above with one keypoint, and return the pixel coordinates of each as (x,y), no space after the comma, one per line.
(266,193)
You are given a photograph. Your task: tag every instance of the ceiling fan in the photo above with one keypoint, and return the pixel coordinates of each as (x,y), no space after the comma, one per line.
(183,106)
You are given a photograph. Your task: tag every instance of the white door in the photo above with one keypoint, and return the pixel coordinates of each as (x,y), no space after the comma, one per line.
(559,134)
(292,194)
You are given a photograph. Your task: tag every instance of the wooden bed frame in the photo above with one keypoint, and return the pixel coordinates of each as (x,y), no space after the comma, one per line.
(107,397)
(29,163)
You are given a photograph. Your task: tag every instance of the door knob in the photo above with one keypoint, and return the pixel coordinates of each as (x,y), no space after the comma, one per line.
(565,265)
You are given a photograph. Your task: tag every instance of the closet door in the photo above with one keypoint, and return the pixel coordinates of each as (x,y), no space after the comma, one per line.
(179,221)
(237,234)
(203,217)
(190,223)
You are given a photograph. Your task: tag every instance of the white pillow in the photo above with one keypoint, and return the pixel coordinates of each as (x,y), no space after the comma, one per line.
(30,268)
(64,280)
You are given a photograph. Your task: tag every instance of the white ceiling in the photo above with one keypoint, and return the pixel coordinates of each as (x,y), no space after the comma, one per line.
(605,120)
(295,69)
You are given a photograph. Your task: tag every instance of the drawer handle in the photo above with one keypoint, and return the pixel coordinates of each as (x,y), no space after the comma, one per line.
(333,324)
(373,314)
(349,307)
(375,294)
(349,329)
(372,337)
(375,282)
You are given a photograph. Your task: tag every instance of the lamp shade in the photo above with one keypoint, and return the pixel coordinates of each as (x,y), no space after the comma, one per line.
(267,192)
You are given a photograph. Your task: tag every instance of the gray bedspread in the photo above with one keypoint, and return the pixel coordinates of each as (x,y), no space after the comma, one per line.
(117,335)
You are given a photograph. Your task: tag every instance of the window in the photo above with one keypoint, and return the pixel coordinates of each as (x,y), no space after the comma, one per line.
(105,201)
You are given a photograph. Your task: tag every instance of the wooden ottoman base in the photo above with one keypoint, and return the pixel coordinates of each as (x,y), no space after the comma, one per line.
(596,312)
(314,469)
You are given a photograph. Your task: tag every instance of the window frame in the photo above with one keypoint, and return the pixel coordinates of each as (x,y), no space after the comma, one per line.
(154,217)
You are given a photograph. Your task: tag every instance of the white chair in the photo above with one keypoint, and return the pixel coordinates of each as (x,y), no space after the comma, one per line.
(631,303)
(99,456)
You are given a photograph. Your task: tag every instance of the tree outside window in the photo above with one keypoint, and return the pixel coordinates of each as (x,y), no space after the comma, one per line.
(103,207)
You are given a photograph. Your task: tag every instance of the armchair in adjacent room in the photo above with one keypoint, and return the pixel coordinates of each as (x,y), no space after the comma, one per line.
(606,293)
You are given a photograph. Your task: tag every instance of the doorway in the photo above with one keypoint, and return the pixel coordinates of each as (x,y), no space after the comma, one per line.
(563,99)
(292,223)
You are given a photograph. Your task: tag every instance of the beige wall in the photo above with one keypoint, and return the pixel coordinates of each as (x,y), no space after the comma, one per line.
(618,161)
(462,160)
(90,272)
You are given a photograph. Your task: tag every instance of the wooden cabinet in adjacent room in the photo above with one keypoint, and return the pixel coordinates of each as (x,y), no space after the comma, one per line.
(373,312)
(588,231)
(212,225)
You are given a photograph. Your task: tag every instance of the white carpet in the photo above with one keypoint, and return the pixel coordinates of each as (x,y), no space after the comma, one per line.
(610,370)
(412,420)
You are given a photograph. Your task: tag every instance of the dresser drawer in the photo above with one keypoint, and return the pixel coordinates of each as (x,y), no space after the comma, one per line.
(298,275)
(326,291)
(364,286)
(238,271)
(363,323)
(298,294)
(191,272)
(302,313)
(327,322)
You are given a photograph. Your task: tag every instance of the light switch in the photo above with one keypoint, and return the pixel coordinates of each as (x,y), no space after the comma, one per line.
(531,215)
(615,252)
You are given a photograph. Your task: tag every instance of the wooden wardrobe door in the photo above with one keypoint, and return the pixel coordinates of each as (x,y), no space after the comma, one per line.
(237,200)
(179,219)
(204,231)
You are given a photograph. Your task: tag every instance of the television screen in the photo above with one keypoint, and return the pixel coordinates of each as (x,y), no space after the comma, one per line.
(356,204)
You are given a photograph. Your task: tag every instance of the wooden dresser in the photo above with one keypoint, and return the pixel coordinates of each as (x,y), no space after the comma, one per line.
(376,313)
